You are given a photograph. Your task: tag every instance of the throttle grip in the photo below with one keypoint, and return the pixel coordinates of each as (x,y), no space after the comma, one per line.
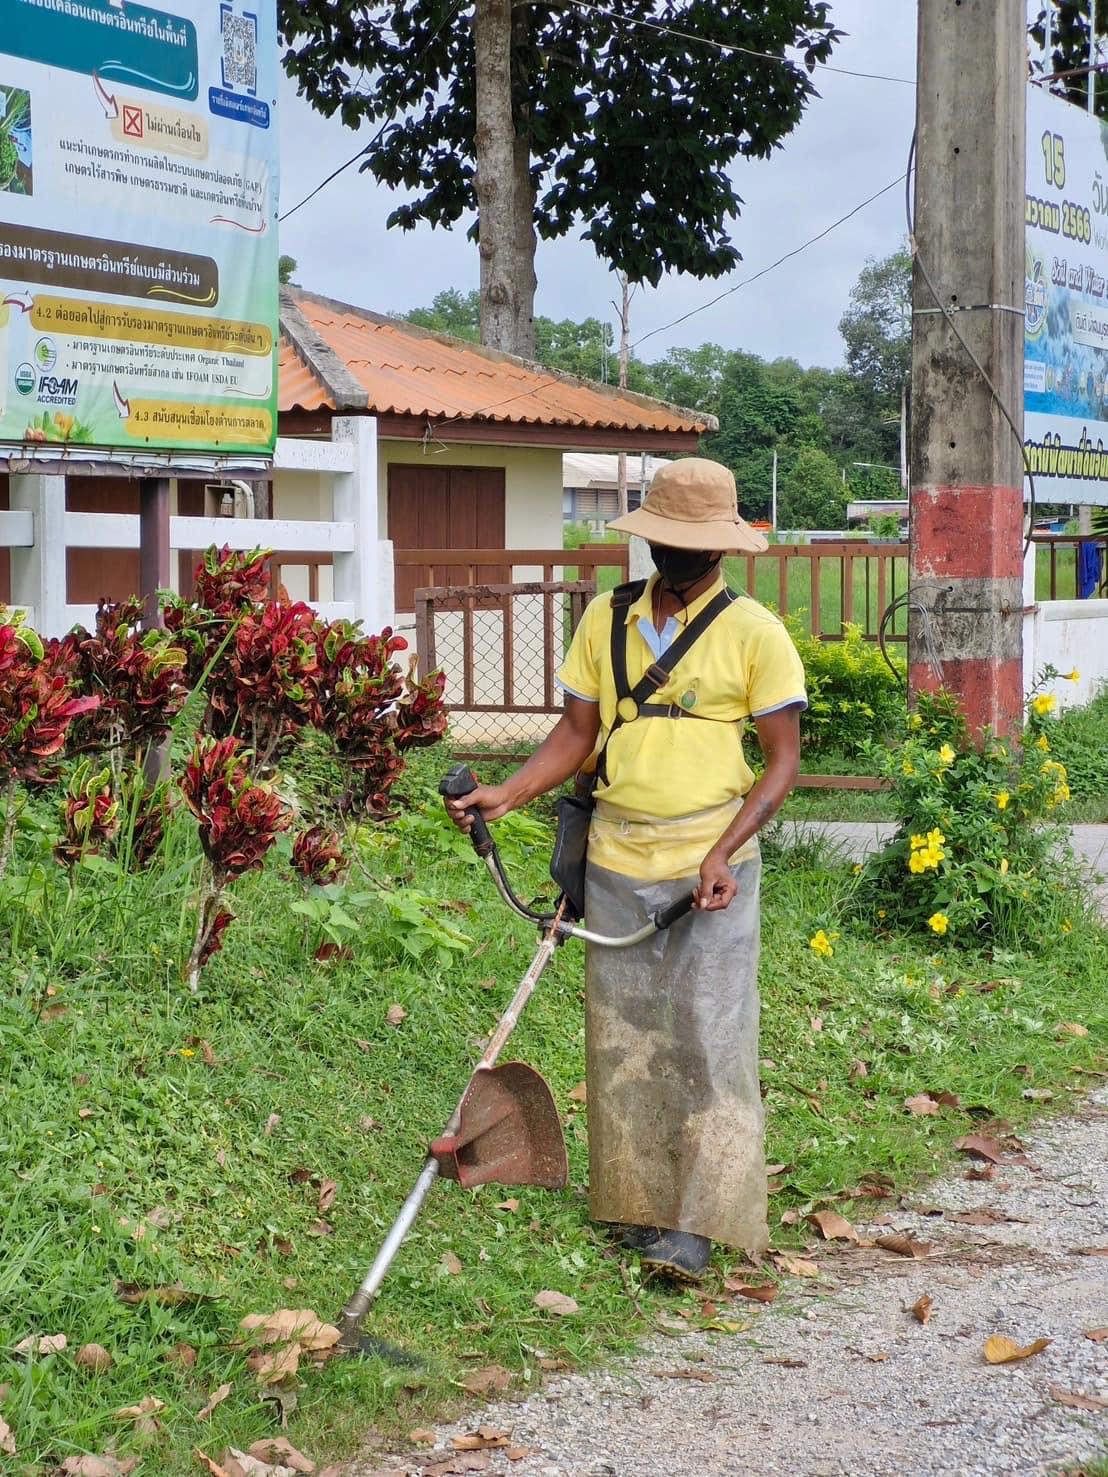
(455,785)
(676,910)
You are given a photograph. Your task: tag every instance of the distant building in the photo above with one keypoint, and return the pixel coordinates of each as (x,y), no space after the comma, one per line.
(861,512)
(590,484)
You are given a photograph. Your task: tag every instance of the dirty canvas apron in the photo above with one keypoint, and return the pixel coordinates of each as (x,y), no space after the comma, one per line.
(674,1108)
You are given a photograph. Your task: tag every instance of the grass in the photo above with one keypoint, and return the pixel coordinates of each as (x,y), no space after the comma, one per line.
(129,1154)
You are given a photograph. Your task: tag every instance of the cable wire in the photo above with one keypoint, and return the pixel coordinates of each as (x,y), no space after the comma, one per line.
(730,47)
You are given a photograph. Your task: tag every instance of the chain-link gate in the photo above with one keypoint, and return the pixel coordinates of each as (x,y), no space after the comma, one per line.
(501,647)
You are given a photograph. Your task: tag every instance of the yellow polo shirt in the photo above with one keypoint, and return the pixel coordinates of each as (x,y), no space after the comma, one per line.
(674,784)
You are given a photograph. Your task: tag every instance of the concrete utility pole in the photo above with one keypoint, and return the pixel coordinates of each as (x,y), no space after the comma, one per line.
(624,310)
(966,554)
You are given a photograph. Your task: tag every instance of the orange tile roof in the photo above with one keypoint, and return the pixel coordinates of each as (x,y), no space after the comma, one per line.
(333,356)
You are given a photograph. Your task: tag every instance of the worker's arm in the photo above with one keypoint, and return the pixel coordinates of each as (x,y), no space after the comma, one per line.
(779,736)
(560,755)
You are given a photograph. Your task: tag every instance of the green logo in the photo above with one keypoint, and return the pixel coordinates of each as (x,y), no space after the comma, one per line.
(25,379)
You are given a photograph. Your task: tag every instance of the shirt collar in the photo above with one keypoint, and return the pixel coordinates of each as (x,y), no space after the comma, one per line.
(644,605)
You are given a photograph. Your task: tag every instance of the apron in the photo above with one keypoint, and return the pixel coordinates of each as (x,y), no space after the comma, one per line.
(671,1034)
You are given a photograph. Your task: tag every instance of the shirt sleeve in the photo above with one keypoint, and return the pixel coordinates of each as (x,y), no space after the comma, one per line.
(775,673)
(579,674)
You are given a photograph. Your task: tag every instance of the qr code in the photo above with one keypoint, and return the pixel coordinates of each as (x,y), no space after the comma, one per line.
(240,42)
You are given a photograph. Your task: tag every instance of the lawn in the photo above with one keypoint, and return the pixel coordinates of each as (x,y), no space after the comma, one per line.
(161,1140)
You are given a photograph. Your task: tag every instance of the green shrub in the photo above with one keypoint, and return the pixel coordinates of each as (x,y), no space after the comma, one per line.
(883,525)
(853,695)
(978,856)
(1080,741)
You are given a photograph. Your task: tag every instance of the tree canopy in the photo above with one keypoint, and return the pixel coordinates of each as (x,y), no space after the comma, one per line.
(619,122)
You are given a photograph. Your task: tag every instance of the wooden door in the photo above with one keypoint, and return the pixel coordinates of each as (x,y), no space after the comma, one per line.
(101,574)
(445,508)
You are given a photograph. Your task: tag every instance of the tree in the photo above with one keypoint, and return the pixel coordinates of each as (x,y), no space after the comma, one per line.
(286,265)
(543,114)
(1072,24)
(877,327)
(812,493)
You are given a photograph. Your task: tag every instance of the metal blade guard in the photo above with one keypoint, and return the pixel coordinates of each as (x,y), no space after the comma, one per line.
(508,1133)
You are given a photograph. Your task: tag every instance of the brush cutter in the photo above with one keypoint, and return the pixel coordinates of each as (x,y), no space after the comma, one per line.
(505,1129)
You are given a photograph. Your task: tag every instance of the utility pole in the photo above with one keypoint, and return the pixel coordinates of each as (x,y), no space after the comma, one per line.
(624,311)
(966,553)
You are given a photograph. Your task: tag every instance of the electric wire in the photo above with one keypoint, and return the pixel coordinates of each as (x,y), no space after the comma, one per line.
(729,46)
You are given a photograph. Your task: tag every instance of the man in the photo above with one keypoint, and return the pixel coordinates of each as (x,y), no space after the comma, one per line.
(675,1114)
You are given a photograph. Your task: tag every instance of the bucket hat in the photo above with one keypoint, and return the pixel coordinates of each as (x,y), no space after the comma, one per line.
(693,504)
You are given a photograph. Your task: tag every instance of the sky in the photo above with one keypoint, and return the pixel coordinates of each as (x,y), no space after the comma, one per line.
(852,141)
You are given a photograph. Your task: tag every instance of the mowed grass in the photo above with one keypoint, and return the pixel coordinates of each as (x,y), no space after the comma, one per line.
(155,1138)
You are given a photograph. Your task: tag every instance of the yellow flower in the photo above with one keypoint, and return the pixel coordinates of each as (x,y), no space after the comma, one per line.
(1045,703)
(938,923)
(821,945)
(1002,799)
(935,837)
(915,721)
(918,842)
(881,912)
(1051,766)
(1062,793)
(946,754)
(856,869)
(1042,742)
(1004,866)
(1074,676)
(1066,926)
(908,767)
(917,862)
(186,1051)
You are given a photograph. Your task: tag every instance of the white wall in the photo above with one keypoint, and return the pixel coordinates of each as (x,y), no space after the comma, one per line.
(1066,634)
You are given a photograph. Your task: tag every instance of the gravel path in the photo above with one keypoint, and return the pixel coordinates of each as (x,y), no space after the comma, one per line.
(838,1376)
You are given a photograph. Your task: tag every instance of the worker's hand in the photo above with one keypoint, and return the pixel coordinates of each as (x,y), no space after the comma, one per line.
(717,886)
(491,800)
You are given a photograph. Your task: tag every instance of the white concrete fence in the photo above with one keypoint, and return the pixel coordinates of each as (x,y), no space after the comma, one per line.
(39,531)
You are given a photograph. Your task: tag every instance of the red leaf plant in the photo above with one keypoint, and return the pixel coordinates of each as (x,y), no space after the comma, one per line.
(139,677)
(239,819)
(318,856)
(90,814)
(228,583)
(37,706)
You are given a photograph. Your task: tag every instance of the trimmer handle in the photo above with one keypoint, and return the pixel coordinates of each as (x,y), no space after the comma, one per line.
(676,910)
(454,785)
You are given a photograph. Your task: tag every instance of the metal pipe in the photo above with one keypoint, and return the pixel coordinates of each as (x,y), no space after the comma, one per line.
(625,941)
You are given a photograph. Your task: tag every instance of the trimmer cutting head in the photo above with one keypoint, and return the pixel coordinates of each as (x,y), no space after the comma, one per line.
(509,1132)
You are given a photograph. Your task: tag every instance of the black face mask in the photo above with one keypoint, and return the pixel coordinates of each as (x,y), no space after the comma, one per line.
(682,568)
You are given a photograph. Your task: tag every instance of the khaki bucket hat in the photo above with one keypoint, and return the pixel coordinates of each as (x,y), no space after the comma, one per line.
(693,504)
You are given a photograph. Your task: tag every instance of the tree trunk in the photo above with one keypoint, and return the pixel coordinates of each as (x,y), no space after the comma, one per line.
(505,198)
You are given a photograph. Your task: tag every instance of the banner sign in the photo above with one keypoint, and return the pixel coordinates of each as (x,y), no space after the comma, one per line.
(138,225)
(1065,371)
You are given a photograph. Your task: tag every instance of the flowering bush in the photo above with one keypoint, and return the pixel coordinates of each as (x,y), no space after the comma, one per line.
(977,855)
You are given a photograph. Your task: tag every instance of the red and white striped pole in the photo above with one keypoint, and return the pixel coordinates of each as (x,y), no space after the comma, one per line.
(966,550)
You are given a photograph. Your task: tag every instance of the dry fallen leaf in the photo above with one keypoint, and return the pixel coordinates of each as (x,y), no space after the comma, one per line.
(1071,1028)
(923,1105)
(1077,1401)
(986,1215)
(701,1376)
(211,1467)
(554,1366)
(786,1362)
(422,1437)
(484,1438)
(42,1344)
(578,1094)
(858,1069)
(832,1226)
(148,1405)
(980,1147)
(905,1246)
(270,1124)
(756,1292)
(1037,1094)
(1001,1350)
(7,1440)
(1098,1335)
(510,1205)
(795,1266)
(217,1397)
(183,1355)
(300,1324)
(555,1302)
(1089,1250)
(272,1367)
(328,1189)
(489,1377)
(396,1015)
(96,1466)
(451,1263)
(517,1453)
(320,1228)
(281,1454)
(461,1461)
(922,1308)
(981,1172)
(94,1357)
